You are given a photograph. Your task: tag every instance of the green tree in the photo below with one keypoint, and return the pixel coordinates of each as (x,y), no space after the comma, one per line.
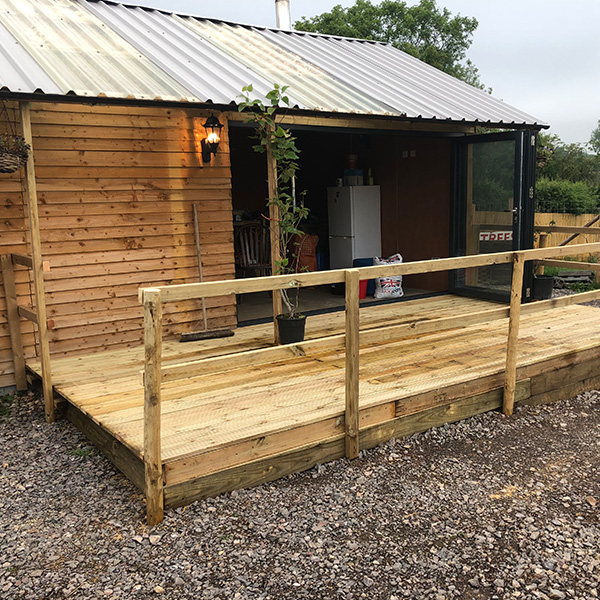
(595,139)
(424,31)
(569,162)
(568,177)
(563,196)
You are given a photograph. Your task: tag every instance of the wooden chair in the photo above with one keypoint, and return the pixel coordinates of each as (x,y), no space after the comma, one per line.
(253,250)
(305,247)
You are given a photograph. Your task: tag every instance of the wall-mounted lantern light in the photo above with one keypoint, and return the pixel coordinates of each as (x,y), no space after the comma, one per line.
(213,136)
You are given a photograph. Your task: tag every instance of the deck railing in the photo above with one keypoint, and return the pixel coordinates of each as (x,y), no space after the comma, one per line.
(155,374)
(36,314)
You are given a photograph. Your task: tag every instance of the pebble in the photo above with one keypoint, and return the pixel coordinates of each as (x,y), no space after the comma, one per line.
(490,507)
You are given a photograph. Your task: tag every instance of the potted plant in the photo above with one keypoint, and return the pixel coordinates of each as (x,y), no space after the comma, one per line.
(14,152)
(291,211)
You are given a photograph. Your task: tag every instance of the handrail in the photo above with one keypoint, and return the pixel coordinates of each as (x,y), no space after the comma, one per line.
(14,312)
(155,374)
(574,265)
(193,291)
(578,230)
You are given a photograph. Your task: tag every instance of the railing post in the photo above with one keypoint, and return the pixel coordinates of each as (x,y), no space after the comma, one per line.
(516,291)
(37,264)
(152,385)
(543,244)
(14,323)
(352,363)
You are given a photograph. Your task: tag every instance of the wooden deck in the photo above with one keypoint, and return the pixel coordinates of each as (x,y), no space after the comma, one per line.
(242,426)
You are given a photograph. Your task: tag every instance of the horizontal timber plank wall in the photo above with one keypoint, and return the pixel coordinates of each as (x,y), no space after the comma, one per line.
(116,186)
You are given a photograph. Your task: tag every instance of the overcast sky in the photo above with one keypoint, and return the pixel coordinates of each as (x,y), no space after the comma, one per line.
(542,56)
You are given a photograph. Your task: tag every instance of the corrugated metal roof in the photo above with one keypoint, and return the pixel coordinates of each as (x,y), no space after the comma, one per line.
(70,51)
(312,87)
(409,85)
(98,48)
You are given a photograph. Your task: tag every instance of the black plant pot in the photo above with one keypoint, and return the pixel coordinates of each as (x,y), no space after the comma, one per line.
(542,287)
(291,331)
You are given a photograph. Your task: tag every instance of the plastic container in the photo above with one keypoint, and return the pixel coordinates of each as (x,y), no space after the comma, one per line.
(362,292)
(542,287)
(366,262)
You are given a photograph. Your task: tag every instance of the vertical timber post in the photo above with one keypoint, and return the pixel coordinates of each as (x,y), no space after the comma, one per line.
(543,244)
(275,236)
(352,363)
(38,265)
(14,322)
(152,385)
(516,291)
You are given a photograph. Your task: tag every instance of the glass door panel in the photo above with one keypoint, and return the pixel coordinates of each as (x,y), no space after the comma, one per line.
(490,176)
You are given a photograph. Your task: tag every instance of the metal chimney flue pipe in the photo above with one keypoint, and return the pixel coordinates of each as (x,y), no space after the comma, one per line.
(282,9)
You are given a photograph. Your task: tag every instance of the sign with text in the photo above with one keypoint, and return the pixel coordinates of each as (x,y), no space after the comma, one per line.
(495,236)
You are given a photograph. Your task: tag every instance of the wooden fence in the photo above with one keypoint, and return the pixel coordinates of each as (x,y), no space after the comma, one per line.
(155,374)
(559,227)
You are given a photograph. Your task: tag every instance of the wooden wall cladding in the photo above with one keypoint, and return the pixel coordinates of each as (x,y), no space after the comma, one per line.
(116,187)
(415,178)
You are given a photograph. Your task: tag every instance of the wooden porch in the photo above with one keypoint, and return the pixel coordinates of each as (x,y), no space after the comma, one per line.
(255,416)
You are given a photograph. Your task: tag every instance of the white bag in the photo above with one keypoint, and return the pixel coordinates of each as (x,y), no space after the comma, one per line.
(389,287)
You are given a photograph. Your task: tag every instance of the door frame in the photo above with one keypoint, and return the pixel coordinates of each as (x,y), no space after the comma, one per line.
(523,201)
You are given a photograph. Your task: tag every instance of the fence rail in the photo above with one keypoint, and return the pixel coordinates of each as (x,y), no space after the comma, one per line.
(36,314)
(155,374)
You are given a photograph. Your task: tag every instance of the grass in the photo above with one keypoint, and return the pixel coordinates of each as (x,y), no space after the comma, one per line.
(82,451)
(579,286)
(583,287)
(6,401)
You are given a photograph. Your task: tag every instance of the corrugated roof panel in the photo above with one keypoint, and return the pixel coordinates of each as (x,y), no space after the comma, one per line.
(311,86)
(351,66)
(81,55)
(447,89)
(408,84)
(212,75)
(18,71)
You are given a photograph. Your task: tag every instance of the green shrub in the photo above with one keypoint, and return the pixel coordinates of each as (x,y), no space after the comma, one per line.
(562,196)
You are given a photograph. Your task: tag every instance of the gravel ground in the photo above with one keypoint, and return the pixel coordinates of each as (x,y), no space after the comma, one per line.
(491,507)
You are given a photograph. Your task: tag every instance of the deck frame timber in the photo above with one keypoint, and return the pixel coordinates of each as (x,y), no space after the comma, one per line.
(122,457)
(536,384)
(346,443)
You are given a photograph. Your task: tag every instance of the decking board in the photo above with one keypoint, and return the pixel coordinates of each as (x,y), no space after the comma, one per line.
(253,424)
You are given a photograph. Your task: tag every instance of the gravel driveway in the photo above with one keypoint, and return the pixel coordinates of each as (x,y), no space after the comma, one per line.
(492,507)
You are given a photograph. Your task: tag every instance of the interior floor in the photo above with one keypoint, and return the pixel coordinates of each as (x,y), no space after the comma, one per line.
(258,307)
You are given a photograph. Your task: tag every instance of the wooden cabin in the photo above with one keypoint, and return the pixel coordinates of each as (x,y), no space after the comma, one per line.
(99,252)
(117,124)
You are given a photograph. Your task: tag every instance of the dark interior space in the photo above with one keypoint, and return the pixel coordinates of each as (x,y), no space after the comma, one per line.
(413,171)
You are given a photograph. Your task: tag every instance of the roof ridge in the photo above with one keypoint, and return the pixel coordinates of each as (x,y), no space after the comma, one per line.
(166,11)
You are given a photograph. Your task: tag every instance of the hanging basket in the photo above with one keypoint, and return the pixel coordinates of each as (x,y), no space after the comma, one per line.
(11,162)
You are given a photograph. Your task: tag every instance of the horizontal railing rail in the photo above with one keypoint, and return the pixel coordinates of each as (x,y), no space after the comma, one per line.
(194,291)
(583,230)
(14,313)
(572,265)
(155,374)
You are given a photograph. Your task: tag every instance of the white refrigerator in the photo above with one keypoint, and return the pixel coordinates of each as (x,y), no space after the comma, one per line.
(354,224)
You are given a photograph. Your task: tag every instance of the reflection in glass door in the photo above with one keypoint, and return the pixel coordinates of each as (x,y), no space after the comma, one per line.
(491,179)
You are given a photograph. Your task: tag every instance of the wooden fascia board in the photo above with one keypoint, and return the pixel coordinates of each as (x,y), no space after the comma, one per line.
(349,122)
